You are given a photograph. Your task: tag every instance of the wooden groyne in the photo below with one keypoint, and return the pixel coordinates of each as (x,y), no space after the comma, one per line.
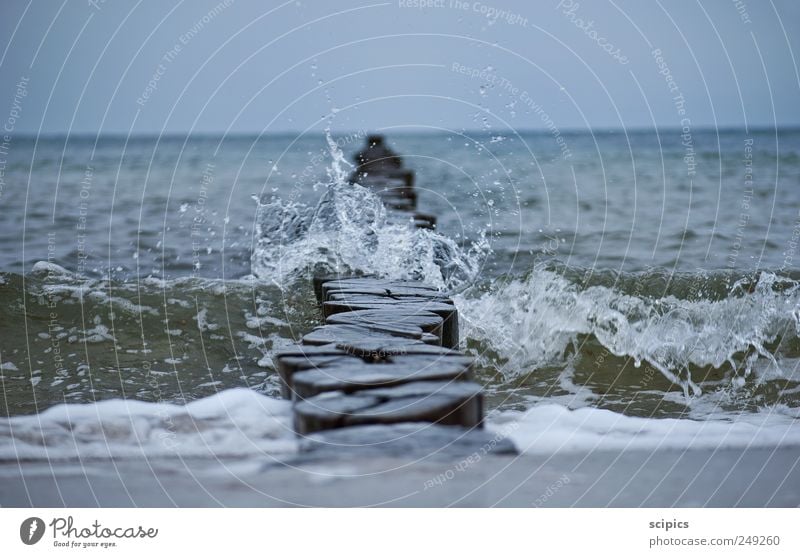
(388,351)
(381,170)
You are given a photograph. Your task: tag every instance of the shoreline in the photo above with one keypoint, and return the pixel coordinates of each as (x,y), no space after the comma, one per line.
(339,478)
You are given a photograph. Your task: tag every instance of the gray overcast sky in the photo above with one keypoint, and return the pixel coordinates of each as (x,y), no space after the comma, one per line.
(249,66)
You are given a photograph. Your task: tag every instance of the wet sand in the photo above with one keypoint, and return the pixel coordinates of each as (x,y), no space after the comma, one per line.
(729,478)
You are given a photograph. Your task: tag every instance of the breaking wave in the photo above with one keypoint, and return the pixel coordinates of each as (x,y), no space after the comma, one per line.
(710,334)
(681,325)
(350,231)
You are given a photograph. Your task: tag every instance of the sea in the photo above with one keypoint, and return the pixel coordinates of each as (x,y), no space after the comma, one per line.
(619,289)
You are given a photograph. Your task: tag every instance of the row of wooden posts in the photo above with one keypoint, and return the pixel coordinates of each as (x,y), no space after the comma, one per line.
(388,351)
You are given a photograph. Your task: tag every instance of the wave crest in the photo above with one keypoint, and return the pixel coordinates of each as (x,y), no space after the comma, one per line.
(534,321)
(350,231)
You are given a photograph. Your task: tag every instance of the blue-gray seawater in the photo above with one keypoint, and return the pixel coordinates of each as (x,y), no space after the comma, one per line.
(635,271)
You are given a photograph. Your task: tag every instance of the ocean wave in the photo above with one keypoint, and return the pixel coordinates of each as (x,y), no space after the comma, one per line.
(526,323)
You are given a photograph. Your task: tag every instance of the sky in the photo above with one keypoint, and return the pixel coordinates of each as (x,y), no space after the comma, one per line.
(239,66)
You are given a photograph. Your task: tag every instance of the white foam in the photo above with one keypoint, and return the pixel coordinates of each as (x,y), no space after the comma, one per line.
(232,423)
(202,321)
(531,323)
(551,428)
(47,268)
(350,230)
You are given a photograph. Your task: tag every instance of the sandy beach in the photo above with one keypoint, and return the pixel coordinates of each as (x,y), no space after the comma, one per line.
(337,478)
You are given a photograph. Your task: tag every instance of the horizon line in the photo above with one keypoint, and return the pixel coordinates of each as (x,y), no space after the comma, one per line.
(409,131)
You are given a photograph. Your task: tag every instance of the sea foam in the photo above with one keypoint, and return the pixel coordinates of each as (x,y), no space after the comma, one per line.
(531,322)
(232,423)
(552,428)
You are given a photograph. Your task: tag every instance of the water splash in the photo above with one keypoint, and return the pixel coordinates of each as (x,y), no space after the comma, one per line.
(533,322)
(351,231)
(336,171)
